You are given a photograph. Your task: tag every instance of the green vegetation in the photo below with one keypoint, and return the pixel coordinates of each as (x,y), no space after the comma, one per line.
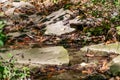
(96,1)
(55,1)
(2,35)
(8,71)
(116,2)
(118,30)
(67,6)
(97,18)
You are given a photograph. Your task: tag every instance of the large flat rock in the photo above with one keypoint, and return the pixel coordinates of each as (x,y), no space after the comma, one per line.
(58,28)
(2,1)
(57,23)
(109,48)
(45,56)
(115,66)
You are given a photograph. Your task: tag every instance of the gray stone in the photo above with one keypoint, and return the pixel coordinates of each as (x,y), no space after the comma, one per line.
(48,3)
(57,22)
(109,48)
(76,21)
(39,56)
(75,1)
(58,28)
(22,4)
(115,14)
(9,12)
(2,1)
(4,7)
(15,5)
(118,30)
(88,21)
(15,34)
(57,15)
(115,66)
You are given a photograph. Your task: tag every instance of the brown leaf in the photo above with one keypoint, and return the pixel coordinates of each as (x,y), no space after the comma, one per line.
(104,66)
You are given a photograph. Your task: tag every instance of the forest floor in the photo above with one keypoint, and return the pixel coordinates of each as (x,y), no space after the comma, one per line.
(88,23)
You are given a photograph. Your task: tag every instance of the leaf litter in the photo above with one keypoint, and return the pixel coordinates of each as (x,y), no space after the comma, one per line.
(32,35)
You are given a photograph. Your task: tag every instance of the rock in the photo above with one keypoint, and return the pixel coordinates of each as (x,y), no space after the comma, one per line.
(35,18)
(9,11)
(75,1)
(60,15)
(15,5)
(39,56)
(2,1)
(118,30)
(48,3)
(15,34)
(83,64)
(76,22)
(115,66)
(58,28)
(109,48)
(115,14)
(57,22)
(22,4)
(5,6)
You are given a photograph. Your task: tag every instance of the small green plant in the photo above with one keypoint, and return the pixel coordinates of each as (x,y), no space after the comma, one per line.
(99,1)
(2,35)
(8,71)
(116,2)
(55,1)
(118,30)
(2,24)
(67,6)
